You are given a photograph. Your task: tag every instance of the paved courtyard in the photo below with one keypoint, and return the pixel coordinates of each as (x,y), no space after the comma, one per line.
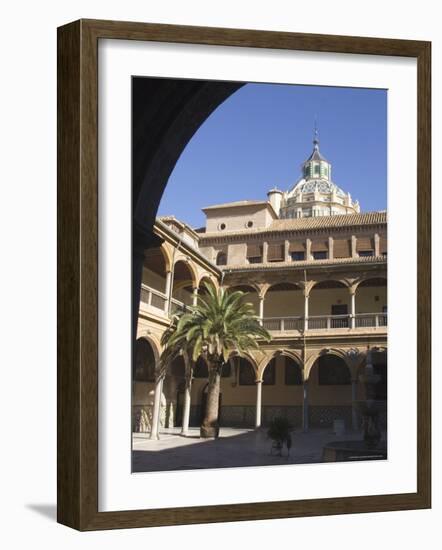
(235,447)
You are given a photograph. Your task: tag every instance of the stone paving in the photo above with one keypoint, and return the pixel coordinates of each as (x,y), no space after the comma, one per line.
(234,448)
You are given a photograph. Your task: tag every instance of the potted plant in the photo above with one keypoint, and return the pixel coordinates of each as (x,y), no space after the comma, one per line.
(279,433)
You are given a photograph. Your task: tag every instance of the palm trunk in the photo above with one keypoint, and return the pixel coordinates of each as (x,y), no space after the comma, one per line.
(210,425)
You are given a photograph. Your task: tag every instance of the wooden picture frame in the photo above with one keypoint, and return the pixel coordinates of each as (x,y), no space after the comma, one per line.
(77,461)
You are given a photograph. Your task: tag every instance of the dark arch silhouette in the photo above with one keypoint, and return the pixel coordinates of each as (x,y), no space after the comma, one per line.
(165,113)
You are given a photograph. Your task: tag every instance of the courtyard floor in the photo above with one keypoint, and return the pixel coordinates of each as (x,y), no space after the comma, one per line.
(235,447)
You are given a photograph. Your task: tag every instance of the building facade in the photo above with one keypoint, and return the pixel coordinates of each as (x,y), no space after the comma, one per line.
(314,267)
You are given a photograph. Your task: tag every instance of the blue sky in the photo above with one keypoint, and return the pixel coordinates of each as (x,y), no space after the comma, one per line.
(259,137)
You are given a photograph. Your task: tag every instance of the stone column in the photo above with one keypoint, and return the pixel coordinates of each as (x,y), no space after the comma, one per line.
(195,296)
(330,248)
(308,249)
(168,290)
(261,307)
(376,245)
(352,307)
(306,297)
(305,427)
(258,403)
(354,253)
(186,406)
(286,251)
(354,412)
(156,408)
(265,247)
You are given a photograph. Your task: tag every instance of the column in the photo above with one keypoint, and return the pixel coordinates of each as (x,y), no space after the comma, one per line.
(265,247)
(308,249)
(258,403)
(261,307)
(306,297)
(352,307)
(305,406)
(330,248)
(354,253)
(156,408)
(354,412)
(195,296)
(186,406)
(286,251)
(168,290)
(377,240)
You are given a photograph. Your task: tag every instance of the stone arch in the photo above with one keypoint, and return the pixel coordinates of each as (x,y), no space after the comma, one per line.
(292,354)
(327,351)
(167,255)
(329,283)
(145,361)
(166,114)
(360,281)
(281,285)
(207,277)
(251,293)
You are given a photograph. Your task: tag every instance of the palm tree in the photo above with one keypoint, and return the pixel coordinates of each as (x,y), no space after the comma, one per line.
(220,323)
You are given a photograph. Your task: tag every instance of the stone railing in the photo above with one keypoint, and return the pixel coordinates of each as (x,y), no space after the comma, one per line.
(281,324)
(325,322)
(153,298)
(365,320)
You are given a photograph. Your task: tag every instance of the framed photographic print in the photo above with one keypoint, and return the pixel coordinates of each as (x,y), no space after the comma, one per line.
(243,256)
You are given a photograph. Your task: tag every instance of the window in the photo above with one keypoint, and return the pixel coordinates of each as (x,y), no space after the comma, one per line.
(249,224)
(317,169)
(297,256)
(320,255)
(221,258)
(222,226)
(365,253)
(332,371)
(255,260)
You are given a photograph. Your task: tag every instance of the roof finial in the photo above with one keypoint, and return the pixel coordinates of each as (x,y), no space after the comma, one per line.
(316,134)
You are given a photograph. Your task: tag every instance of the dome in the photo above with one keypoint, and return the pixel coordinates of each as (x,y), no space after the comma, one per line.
(315,194)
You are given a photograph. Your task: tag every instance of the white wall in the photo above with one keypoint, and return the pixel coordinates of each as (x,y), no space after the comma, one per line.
(28,120)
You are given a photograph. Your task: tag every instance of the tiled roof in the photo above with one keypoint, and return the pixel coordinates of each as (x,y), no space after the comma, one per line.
(313,223)
(306,263)
(319,222)
(235,204)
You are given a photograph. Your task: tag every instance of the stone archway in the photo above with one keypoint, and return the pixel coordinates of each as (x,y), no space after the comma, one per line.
(166,114)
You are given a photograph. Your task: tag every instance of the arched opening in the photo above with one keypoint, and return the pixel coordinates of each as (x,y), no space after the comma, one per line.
(143,383)
(283,307)
(282,390)
(329,305)
(330,391)
(183,285)
(166,114)
(371,303)
(250,295)
(221,258)
(153,289)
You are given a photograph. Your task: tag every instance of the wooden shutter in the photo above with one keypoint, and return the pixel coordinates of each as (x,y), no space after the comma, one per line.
(364,243)
(254,251)
(319,246)
(275,252)
(341,248)
(383,244)
(297,246)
